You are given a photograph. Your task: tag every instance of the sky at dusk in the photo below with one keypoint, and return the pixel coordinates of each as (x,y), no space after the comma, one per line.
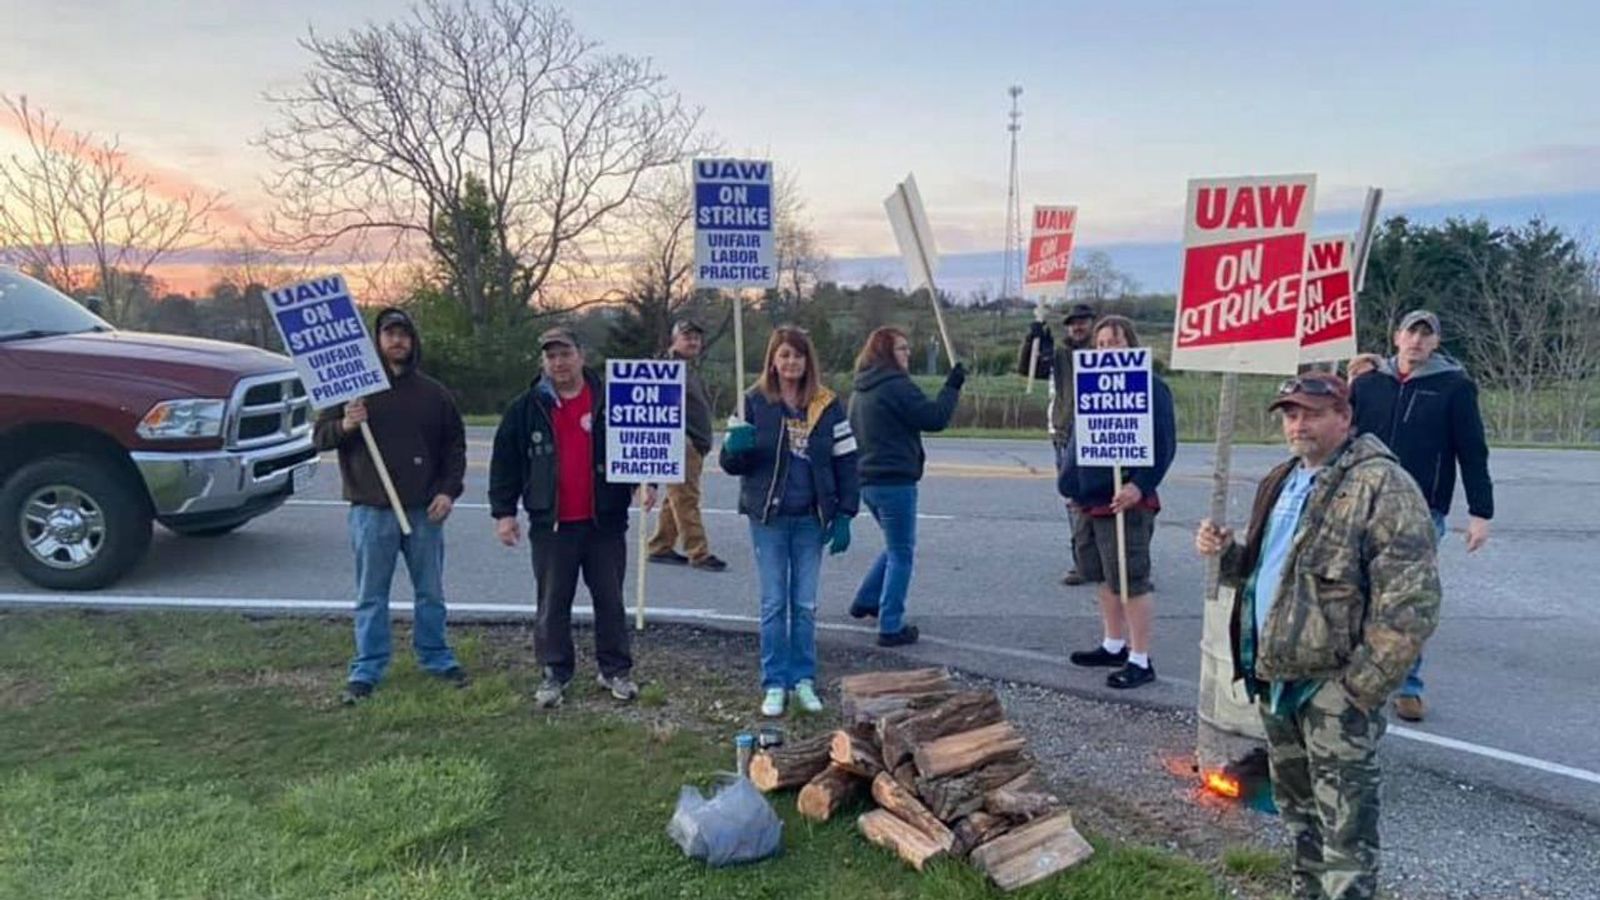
(1442,104)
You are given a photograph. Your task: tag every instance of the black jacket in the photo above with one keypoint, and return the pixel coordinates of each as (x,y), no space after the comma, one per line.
(524,468)
(1432,424)
(831,450)
(889,413)
(418,430)
(1091,486)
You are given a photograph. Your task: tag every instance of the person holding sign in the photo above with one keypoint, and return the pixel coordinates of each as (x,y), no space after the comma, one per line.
(1126,620)
(889,413)
(423,439)
(795,456)
(680,511)
(1424,405)
(1056,365)
(550,456)
(1336,589)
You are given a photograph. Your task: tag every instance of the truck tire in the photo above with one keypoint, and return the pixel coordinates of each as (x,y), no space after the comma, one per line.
(73,522)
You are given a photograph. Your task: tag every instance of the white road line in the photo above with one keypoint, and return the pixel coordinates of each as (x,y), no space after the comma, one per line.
(711,511)
(708,615)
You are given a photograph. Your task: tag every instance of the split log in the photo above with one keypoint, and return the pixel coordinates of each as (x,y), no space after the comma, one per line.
(870,696)
(1032,852)
(905,775)
(900,734)
(882,828)
(960,795)
(790,765)
(907,808)
(978,828)
(854,751)
(870,710)
(1021,799)
(957,753)
(824,794)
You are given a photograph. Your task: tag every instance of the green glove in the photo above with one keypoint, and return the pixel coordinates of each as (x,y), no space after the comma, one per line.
(741,438)
(839,536)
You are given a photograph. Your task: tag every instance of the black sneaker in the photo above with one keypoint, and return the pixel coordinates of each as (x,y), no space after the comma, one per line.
(862,612)
(670,557)
(1073,578)
(1131,676)
(906,635)
(1099,656)
(709,562)
(355,692)
(456,676)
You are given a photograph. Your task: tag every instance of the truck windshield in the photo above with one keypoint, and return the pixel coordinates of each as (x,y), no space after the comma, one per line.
(30,309)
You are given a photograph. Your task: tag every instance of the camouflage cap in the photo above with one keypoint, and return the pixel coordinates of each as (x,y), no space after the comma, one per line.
(1313,390)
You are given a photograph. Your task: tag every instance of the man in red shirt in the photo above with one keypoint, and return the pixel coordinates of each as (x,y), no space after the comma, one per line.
(549,456)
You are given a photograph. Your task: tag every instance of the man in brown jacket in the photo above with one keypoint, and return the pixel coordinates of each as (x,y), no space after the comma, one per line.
(420,433)
(680,512)
(1336,588)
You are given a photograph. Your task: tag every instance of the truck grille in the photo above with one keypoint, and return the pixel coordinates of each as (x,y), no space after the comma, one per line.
(268,409)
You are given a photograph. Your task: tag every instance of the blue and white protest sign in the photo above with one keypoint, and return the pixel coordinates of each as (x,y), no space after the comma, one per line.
(733,225)
(323,331)
(1114,422)
(644,421)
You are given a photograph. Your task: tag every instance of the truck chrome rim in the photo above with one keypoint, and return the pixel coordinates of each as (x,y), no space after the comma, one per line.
(63,527)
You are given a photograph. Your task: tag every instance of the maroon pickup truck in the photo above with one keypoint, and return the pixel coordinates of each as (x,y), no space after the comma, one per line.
(103,432)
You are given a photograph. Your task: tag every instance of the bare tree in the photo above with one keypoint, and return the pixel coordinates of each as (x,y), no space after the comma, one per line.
(1096,280)
(377,145)
(77,212)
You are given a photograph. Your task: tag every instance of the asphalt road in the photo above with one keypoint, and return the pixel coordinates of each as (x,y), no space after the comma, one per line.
(1513,672)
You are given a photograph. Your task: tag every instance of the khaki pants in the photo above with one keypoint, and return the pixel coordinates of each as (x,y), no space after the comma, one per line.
(680,513)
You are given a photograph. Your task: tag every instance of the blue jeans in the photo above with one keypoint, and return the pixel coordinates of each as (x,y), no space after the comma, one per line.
(375,536)
(1413,684)
(884,590)
(788,560)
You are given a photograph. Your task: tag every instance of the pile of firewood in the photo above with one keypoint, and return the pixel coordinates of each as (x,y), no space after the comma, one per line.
(950,775)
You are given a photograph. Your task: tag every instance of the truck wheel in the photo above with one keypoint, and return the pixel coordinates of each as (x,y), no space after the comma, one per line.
(213,531)
(71,523)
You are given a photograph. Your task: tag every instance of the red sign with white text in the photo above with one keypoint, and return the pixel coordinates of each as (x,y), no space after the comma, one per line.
(1243,270)
(1328,308)
(1050,251)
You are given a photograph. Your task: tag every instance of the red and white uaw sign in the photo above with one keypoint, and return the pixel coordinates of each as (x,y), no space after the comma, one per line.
(1244,253)
(1050,251)
(1328,304)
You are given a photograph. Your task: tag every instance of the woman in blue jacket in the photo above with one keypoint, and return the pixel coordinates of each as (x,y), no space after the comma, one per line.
(795,457)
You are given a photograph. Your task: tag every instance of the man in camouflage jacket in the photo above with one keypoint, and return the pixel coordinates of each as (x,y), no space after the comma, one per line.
(1336,588)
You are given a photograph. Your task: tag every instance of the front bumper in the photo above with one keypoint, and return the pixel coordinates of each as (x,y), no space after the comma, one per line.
(202,484)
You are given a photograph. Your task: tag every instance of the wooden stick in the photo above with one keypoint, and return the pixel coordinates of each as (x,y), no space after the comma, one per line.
(383,476)
(644,548)
(1122,536)
(738,352)
(906,807)
(927,268)
(1033,364)
(823,795)
(884,829)
(957,753)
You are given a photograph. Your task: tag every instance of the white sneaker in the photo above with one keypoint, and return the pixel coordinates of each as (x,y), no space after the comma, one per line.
(772,703)
(806,692)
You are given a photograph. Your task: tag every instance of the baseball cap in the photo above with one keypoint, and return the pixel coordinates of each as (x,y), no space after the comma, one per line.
(395,317)
(1420,317)
(682,325)
(1313,390)
(1081,311)
(558,335)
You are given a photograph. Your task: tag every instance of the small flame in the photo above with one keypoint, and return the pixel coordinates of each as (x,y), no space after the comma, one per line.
(1223,784)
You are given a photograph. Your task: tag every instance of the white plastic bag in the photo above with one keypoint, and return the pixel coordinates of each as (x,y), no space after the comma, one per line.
(737,825)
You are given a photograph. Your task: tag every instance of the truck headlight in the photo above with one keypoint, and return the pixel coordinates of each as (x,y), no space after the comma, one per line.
(183,420)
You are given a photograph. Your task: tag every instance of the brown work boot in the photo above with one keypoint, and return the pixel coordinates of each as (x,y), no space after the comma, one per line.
(1408,708)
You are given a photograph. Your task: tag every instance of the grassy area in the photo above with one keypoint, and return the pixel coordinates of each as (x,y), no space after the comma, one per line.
(167,756)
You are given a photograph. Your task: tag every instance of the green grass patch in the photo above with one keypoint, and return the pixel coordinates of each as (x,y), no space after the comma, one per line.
(1254,864)
(159,756)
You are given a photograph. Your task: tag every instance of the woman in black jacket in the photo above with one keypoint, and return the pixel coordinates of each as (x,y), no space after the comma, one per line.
(796,461)
(889,413)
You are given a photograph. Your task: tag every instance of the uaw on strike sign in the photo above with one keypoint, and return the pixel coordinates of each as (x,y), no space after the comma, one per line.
(1328,304)
(644,421)
(322,330)
(1244,260)
(733,236)
(1115,420)
(1050,251)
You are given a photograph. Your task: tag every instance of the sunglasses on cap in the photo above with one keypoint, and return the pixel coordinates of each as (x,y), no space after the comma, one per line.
(1316,387)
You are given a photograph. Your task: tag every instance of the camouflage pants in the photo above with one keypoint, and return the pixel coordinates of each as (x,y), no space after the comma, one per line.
(1325,782)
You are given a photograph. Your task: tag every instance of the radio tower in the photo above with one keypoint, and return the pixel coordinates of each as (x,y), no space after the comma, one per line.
(1011,280)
